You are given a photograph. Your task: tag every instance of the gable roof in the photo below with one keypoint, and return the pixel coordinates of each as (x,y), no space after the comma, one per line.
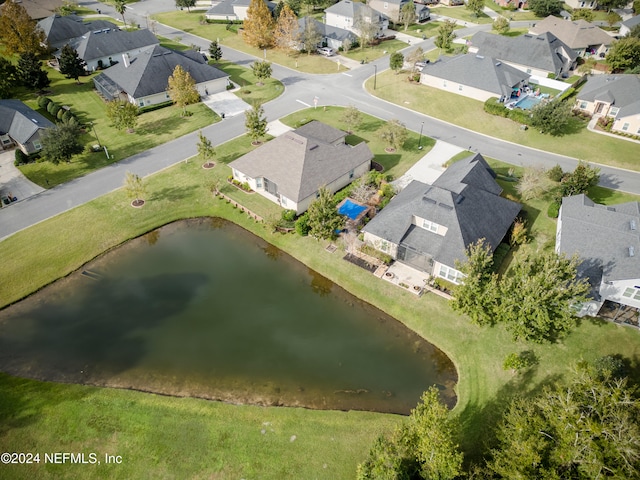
(545,51)
(20,121)
(300,163)
(321,131)
(60,29)
(465,199)
(109,42)
(484,73)
(632,22)
(349,9)
(603,236)
(335,33)
(149,71)
(37,9)
(578,34)
(226,7)
(622,91)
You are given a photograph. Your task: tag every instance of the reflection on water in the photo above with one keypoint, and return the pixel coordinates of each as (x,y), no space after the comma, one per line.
(198,309)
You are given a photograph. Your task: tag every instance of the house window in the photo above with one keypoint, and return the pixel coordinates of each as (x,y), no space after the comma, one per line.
(37,145)
(444,83)
(432,227)
(459,88)
(258,182)
(142,103)
(351,173)
(613,111)
(631,292)
(583,105)
(283,201)
(625,127)
(6,141)
(450,274)
(386,5)
(384,246)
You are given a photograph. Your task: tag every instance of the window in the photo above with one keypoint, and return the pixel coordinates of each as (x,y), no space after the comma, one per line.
(459,88)
(583,105)
(444,83)
(432,227)
(386,5)
(638,130)
(631,292)
(283,201)
(384,246)
(450,274)
(258,182)
(142,103)
(613,111)
(351,173)
(37,145)
(625,127)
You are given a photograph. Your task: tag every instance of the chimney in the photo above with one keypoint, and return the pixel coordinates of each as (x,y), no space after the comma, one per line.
(125,60)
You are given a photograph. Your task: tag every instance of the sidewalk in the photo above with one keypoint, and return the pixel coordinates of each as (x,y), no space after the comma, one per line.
(429,167)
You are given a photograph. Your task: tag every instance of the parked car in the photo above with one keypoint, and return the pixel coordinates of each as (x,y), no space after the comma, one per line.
(326,51)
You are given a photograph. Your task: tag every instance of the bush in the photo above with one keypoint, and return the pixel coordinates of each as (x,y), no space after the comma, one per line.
(21,157)
(554,210)
(67,116)
(494,107)
(43,102)
(520,116)
(567,93)
(157,106)
(288,215)
(302,225)
(61,113)
(55,109)
(50,106)
(519,361)
(555,173)
(499,255)
(373,252)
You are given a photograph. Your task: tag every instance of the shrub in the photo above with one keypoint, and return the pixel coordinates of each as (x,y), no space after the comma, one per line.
(494,107)
(288,215)
(55,109)
(373,252)
(567,93)
(554,210)
(21,157)
(43,102)
(519,361)
(302,225)
(67,116)
(157,106)
(555,173)
(520,116)
(61,113)
(499,255)
(50,106)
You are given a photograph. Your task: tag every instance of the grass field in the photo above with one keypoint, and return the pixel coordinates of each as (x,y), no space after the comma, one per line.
(468,113)
(186,438)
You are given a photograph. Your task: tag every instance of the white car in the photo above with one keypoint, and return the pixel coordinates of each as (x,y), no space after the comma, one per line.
(326,51)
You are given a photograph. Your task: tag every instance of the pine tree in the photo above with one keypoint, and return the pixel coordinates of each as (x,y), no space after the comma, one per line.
(71,65)
(182,89)
(258,26)
(287,30)
(215,52)
(30,72)
(7,77)
(407,14)
(324,218)
(205,148)
(19,33)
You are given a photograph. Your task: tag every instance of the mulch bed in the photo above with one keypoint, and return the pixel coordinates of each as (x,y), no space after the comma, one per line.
(369,267)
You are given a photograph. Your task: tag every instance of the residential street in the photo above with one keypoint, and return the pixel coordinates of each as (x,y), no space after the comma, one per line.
(300,90)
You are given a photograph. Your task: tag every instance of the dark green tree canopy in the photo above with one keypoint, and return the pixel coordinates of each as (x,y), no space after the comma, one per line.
(215,52)
(186,4)
(624,54)
(256,123)
(7,77)
(324,218)
(544,8)
(61,142)
(445,36)
(30,72)
(261,69)
(396,61)
(71,65)
(551,117)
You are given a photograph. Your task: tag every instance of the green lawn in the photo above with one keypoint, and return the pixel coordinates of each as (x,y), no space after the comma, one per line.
(376,51)
(250,91)
(511,14)
(428,29)
(461,13)
(469,113)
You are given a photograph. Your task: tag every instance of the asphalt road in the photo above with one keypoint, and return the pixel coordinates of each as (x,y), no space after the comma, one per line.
(300,90)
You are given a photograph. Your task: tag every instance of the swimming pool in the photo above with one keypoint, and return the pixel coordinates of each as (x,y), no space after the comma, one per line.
(350,209)
(528,102)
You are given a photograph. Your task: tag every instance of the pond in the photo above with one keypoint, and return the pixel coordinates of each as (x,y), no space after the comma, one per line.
(204,308)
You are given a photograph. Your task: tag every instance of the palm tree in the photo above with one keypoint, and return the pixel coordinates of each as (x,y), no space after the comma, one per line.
(121,7)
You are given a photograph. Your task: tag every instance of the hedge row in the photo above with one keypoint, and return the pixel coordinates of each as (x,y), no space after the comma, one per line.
(494,107)
(56,111)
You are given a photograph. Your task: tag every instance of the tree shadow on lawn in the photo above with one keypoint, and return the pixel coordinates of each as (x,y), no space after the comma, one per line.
(173,194)
(574,125)
(600,194)
(161,125)
(388,160)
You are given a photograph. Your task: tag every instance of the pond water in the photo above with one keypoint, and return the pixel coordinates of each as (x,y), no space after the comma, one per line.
(204,308)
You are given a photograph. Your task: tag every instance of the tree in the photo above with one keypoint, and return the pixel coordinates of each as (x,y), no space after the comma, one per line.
(258,26)
(396,61)
(613,18)
(61,142)
(121,7)
(134,188)
(585,14)
(636,7)
(416,55)
(365,26)
(205,148)
(71,65)
(310,36)
(8,80)
(393,133)
(624,54)
(262,70)
(347,43)
(445,36)
(351,117)
(185,4)
(537,296)
(580,180)
(215,52)
(551,117)
(501,25)
(476,297)
(324,218)
(423,447)
(475,6)
(256,123)
(123,114)
(30,72)
(19,34)
(182,89)
(611,4)
(544,8)
(533,183)
(585,430)
(407,14)
(286,35)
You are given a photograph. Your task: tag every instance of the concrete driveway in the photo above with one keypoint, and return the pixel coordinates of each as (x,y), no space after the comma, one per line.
(12,181)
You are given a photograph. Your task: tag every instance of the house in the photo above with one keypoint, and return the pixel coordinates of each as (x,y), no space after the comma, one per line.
(143,79)
(607,240)
(582,37)
(37,9)
(391,9)
(60,29)
(102,48)
(452,3)
(515,4)
(615,96)
(347,15)
(290,169)
(333,37)
(232,10)
(430,227)
(474,76)
(21,126)
(538,55)
(590,4)
(628,25)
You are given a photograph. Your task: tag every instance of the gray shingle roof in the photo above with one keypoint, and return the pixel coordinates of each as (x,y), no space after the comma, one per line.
(300,164)
(602,235)
(148,72)
(321,131)
(465,199)
(484,73)
(622,91)
(59,30)
(544,51)
(336,33)
(20,121)
(349,9)
(578,34)
(105,43)
(632,22)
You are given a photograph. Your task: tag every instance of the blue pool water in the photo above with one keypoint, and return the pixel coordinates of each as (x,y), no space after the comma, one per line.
(350,209)
(528,102)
